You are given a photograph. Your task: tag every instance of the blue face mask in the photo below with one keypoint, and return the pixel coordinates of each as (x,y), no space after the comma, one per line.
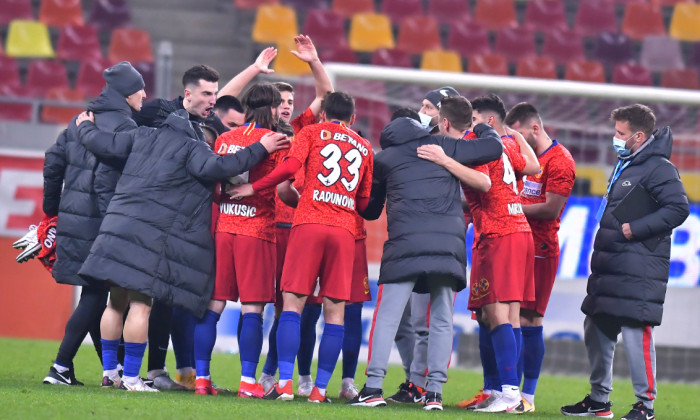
(620,146)
(425,120)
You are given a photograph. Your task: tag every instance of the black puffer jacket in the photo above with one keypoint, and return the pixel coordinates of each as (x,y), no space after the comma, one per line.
(424,210)
(156,237)
(77,188)
(627,279)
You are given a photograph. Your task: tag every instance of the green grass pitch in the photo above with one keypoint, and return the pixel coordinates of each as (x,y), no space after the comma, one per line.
(24,363)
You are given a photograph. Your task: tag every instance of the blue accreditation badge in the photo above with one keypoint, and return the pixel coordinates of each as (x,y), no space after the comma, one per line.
(601,209)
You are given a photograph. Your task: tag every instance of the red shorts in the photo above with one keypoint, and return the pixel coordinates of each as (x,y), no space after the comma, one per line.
(319,251)
(359,291)
(282,238)
(502,270)
(545,273)
(245,268)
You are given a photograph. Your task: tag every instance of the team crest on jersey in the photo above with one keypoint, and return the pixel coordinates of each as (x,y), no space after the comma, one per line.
(539,174)
(365,283)
(480,289)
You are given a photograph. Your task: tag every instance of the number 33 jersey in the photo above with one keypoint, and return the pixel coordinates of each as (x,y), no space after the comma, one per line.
(499,211)
(338,167)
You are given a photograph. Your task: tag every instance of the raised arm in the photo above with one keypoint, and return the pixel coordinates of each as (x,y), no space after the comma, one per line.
(54,171)
(235,86)
(474,179)
(306,52)
(532,165)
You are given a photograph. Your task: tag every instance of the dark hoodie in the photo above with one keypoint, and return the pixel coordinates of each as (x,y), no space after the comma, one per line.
(628,280)
(424,210)
(156,236)
(77,188)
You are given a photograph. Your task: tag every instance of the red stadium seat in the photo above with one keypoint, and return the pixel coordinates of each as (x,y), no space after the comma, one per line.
(348,8)
(44,75)
(89,79)
(449,11)
(642,19)
(326,28)
(148,72)
(631,74)
(491,63)
(61,12)
(338,55)
(61,114)
(515,43)
(397,10)
(680,79)
(468,38)
(537,67)
(613,48)
(595,16)
(10,87)
(495,14)
(252,4)
(78,43)
(418,34)
(391,58)
(585,71)
(563,46)
(15,9)
(128,44)
(9,71)
(545,15)
(109,14)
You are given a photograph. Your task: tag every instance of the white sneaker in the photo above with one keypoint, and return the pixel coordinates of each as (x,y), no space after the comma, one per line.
(267,381)
(28,237)
(348,390)
(306,384)
(499,405)
(138,386)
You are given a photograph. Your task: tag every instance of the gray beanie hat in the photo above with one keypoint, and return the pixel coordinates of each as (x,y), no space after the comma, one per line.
(124,78)
(435,96)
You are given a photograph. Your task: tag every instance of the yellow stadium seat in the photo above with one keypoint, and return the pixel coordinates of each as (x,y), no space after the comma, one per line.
(286,63)
(691,183)
(441,60)
(598,179)
(685,23)
(27,38)
(275,23)
(370,32)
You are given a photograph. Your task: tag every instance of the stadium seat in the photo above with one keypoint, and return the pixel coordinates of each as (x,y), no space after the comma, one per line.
(61,114)
(9,71)
(597,177)
(274,23)
(441,60)
(468,38)
(693,59)
(306,5)
(109,14)
(537,67)
(286,63)
(391,58)
(89,79)
(128,44)
(398,10)
(9,111)
(326,28)
(338,55)
(449,11)
(545,15)
(370,31)
(491,63)
(78,43)
(44,75)
(61,12)
(495,14)
(515,43)
(418,34)
(26,38)
(563,46)
(348,8)
(680,79)
(660,53)
(671,2)
(642,19)
(15,9)
(613,48)
(631,74)
(585,71)
(685,22)
(595,16)
(252,4)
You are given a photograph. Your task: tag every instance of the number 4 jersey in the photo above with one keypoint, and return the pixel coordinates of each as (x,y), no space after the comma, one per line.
(338,167)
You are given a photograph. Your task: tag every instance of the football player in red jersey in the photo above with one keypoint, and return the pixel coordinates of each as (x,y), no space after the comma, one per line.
(338,166)
(544,196)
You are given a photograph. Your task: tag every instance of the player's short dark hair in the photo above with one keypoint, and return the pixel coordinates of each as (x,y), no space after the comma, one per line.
(405,112)
(492,103)
(284,87)
(640,117)
(257,102)
(457,110)
(228,102)
(199,72)
(522,113)
(338,106)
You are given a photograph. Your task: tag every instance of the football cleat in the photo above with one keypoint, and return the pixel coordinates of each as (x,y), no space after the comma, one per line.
(368,397)
(433,401)
(111,381)
(305,387)
(588,408)
(278,393)
(246,390)
(347,390)
(204,387)
(408,393)
(66,378)
(186,380)
(317,398)
(28,237)
(473,401)
(523,407)
(499,405)
(267,381)
(137,386)
(164,383)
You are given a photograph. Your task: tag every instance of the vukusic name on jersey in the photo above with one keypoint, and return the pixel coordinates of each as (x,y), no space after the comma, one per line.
(234,209)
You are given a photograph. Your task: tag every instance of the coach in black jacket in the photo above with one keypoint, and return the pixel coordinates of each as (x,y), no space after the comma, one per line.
(627,285)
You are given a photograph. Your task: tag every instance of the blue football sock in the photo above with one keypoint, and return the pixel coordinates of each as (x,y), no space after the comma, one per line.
(204,340)
(519,352)
(270,367)
(309,320)
(133,357)
(352,339)
(488,359)
(533,355)
(328,352)
(182,335)
(287,343)
(250,343)
(109,354)
(505,350)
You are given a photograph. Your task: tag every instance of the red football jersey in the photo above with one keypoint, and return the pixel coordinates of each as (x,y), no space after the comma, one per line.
(360,228)
(338,167)
(284,213)
(499,211)
(557,175)
(252,216)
